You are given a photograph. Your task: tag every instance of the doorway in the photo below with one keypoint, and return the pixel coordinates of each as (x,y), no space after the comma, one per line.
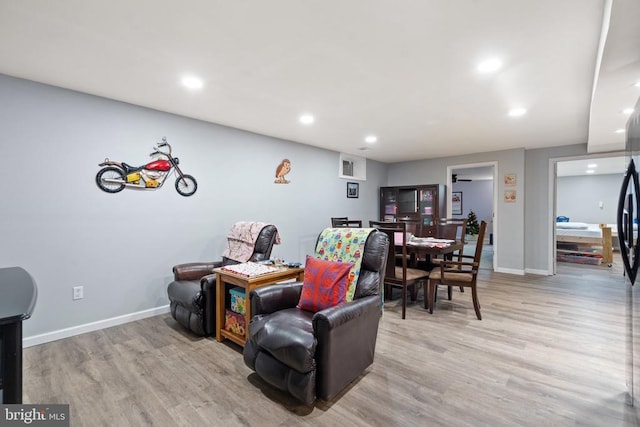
(585,192)
(474,186)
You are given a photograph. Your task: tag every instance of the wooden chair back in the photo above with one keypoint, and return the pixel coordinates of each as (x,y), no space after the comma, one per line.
(349,223)
(460,223)
(337,220)
(399,275)
(397,234)
(446,231)
(459,273)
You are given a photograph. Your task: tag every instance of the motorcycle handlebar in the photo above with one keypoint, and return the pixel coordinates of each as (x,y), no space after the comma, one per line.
(157,151)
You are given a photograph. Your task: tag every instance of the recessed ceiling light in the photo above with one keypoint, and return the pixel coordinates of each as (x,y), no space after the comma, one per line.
(306,119)
(490,65)
(628,111)
(637,84)
(371,139)
(590,171)
(192,82)
(517,112)
(592,165)
(619,130)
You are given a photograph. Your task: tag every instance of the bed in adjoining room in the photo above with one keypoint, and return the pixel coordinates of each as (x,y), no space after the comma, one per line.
(584,243)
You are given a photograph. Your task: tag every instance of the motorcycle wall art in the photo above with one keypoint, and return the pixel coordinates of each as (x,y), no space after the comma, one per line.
(115,176)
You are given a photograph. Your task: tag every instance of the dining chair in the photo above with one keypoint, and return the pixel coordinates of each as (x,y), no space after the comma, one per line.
(450,228)
(460,223)
(337,220)
(399,276)
(458,273)
(414,228)
(349,223)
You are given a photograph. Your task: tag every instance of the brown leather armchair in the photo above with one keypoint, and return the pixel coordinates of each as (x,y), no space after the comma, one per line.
(192,294)
(315,355)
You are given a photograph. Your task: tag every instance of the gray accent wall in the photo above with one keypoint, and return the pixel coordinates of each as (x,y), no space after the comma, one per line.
(579,198)
(539,217)
(59,226)
(508,227)
(477,195)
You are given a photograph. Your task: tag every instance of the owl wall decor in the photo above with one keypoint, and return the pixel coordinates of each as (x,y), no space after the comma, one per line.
(283,168)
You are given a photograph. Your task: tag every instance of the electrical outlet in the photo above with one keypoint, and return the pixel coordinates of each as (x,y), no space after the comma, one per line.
(78,292)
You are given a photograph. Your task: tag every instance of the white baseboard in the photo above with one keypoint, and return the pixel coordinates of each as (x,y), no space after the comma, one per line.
(93,326)
(538,272)
(510,271)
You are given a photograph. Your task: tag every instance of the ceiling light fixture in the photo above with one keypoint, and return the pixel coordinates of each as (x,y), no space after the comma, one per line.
(619,130)
(517,112)
(592,165)
(490,65)
(371,139)
(628,111)
(306,119)
(192,82)
(590,171)
(637,84)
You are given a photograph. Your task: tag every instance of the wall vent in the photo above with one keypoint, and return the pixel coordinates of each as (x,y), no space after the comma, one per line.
(352,167)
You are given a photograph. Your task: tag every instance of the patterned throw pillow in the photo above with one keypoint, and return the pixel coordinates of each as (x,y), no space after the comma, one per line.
(325,284)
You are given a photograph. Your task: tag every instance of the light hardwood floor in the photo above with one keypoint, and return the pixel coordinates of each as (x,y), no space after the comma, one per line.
(549,351)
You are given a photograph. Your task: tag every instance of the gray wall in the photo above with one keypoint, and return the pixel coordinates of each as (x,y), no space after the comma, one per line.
(477,195)
(578,197)
(539,217)
(509,223)
(59,226)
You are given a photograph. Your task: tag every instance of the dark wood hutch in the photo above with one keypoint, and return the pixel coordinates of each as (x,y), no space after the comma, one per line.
(422,204)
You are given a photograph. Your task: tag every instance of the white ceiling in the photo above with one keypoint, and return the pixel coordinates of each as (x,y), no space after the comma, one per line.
(603,166)
(404,71)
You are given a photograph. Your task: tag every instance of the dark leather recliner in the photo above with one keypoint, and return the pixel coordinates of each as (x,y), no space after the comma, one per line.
(315,355)
(192,294)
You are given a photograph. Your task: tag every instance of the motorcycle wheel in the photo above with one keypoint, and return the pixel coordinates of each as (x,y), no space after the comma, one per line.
(110,172)
(186,185)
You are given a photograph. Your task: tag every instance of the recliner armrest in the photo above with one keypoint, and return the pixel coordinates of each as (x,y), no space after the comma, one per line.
(334,317)
(346,337)
(269,299)
(194,270)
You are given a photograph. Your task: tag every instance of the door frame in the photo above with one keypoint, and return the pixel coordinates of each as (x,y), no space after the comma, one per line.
(553,189)
(494,165)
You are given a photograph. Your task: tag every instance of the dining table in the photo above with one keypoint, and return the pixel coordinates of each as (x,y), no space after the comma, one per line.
(423,248)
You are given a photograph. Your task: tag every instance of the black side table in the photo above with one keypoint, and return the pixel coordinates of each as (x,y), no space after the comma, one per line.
(18,295)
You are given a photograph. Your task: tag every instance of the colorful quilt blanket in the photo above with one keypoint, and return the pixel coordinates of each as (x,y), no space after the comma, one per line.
(344,245)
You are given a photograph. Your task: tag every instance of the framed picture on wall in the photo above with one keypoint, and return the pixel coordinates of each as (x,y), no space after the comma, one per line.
(353,190)
(510,179)
(456,203)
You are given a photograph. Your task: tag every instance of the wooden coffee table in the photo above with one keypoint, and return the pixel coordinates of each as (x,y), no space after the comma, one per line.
(248,284)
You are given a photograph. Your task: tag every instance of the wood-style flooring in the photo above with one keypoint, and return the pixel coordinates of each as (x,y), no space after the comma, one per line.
(550,351)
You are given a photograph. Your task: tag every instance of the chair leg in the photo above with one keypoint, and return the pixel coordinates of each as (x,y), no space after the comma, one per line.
(404,300)
(432,295)
(425,291)
(449,292)
(388,292)
(476,303)
(462,289)
(414,292)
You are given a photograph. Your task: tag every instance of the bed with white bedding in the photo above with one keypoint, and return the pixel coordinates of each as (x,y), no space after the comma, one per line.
(584,239)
